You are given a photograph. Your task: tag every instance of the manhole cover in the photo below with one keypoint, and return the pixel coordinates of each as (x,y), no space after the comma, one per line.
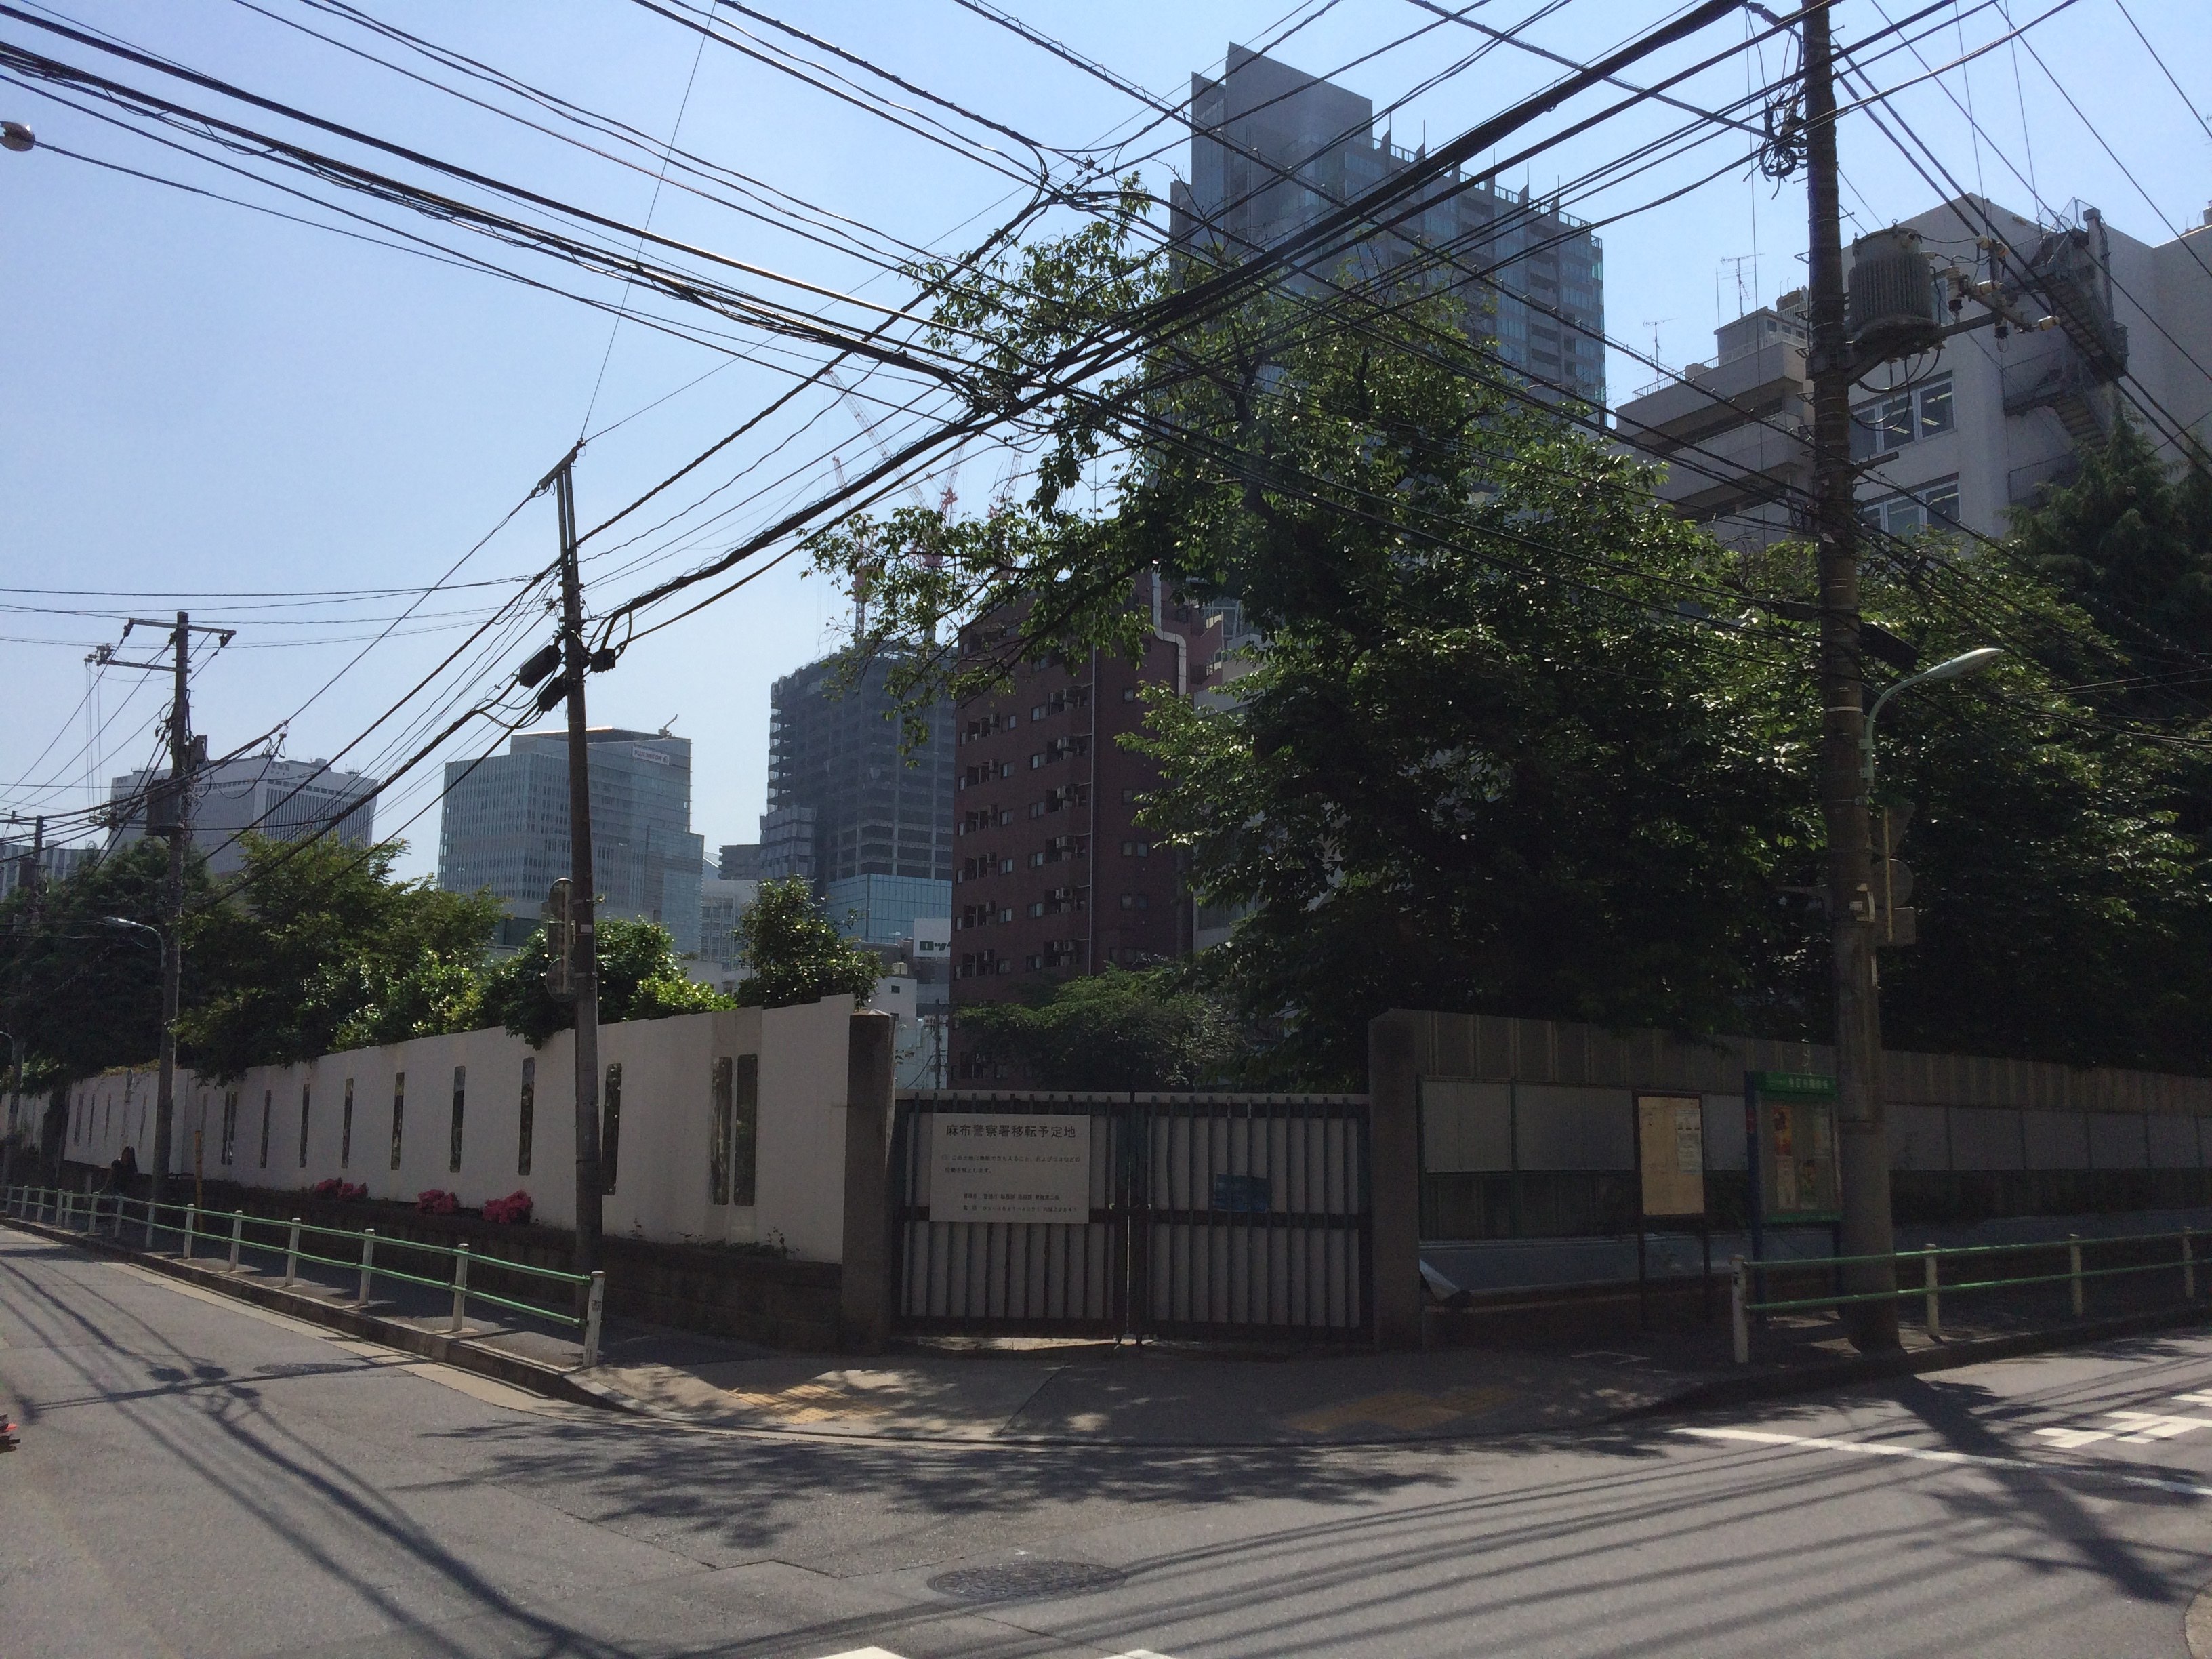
(1024,1580)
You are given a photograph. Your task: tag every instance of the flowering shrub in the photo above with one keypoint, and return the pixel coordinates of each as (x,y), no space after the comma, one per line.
(514,1209)
(335,1187)
(436,1202)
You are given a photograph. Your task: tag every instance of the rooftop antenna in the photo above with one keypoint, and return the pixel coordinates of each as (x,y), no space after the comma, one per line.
(1652,322)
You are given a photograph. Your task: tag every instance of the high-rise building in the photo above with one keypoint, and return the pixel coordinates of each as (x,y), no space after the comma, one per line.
(505,827)
(56,864)
(1054,877)
(740,861)
(280,799)
(1274,149)
(1958,438)
(845,801)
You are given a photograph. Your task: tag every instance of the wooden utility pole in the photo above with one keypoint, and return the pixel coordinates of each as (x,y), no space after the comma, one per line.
(1862,1118)
(584,963)
(169,809)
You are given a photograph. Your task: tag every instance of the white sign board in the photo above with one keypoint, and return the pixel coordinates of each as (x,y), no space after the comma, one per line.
(1009,1168)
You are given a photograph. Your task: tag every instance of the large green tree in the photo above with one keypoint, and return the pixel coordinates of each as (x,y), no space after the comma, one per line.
(82,994)
(795,952)
(640,977)
(1521,741)
(1118,1030)
(314,948)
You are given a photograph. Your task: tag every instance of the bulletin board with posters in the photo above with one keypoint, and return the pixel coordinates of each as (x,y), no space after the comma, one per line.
(1670,1155)
(1790,1145)
(1670,1184)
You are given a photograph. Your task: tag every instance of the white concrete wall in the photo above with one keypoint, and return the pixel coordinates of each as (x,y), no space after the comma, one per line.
(662,1189)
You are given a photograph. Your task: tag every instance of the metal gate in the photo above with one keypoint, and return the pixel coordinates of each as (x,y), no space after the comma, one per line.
(1206,1215)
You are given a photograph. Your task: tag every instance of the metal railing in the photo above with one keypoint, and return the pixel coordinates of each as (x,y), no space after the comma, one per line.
(108,1212)
(1931,1289)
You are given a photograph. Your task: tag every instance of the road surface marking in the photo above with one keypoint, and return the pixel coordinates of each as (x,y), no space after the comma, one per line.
(2133,1428)
(885,1653)
(1401,1408)
(1930,1455)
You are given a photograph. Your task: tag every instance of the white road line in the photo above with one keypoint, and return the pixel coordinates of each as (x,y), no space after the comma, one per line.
(1929,1455)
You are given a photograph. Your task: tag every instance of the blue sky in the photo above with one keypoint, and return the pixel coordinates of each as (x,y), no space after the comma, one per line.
(206,399)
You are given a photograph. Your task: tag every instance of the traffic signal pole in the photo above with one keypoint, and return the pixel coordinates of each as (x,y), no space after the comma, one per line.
(584,959)
(1862,1116)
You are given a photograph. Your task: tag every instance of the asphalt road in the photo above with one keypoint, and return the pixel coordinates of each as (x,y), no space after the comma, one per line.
(198,1478)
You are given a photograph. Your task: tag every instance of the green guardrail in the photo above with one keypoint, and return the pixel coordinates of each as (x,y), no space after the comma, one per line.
(97,1212)
(1931,1289)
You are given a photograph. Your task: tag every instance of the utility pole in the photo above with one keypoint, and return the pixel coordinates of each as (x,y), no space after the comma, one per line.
(584,964)
(1860,1112)
(168,812)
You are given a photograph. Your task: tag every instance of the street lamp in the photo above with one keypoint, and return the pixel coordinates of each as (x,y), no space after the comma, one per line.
(159,938)
(1966,662)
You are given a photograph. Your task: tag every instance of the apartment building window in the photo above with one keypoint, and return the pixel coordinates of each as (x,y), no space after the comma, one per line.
(1932,507)
(1899,418)
(268,1107)
(229,1126)
(303,1126)
(345,1128)
(1135,902)
(1136,850)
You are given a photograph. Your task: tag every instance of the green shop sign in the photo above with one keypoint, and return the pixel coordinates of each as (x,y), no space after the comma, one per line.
(1792,1085)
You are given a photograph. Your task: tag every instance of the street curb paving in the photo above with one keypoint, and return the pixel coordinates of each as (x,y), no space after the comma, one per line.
(1874,1368)
(576,1389)
(456,1351)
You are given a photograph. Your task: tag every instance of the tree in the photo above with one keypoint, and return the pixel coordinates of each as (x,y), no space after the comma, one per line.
(1519,740)
(81,995)
(315,948)
(1118,1030)
(2131,543)
(796,953)
(640,977)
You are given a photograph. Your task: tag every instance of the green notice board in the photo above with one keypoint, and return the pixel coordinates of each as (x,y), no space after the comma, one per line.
(1792,1120)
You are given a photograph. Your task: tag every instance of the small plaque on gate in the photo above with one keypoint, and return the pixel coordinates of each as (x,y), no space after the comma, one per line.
(994,1168)
(1247,1195)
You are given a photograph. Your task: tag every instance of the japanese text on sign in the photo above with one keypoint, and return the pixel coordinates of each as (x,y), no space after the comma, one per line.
(1009,1168)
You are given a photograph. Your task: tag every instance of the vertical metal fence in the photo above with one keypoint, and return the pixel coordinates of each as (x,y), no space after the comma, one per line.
(1209,1215)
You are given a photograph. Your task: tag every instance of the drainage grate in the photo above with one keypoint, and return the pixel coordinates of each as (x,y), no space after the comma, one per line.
(1013,1581)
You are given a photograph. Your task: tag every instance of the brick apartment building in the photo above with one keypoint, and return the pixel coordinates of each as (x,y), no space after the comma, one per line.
(1052,877)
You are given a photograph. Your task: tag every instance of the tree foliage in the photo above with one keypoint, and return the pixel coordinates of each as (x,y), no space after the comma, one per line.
(318,949)
(81,995)
(1521,741)
(796,953)
(640,977)
(1117,1029)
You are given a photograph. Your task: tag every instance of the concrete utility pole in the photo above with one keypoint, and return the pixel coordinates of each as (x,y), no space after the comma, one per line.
(1860,1112)
(584,964)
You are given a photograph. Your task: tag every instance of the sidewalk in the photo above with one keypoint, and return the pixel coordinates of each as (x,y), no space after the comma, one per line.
(1504,1374)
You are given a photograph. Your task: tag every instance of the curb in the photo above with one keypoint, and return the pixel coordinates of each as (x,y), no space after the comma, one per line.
(457,1351)
(1874,1368)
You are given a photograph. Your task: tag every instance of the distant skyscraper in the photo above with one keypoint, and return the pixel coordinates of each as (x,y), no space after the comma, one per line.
(505,827)
(280,799)
(844,802)
(740,861)
(1262,119)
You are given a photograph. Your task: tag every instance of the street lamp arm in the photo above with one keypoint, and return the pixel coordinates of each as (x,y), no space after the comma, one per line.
(1966,662)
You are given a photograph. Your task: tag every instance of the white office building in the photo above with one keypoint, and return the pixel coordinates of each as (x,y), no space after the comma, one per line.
(1958,437)
(278,799)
